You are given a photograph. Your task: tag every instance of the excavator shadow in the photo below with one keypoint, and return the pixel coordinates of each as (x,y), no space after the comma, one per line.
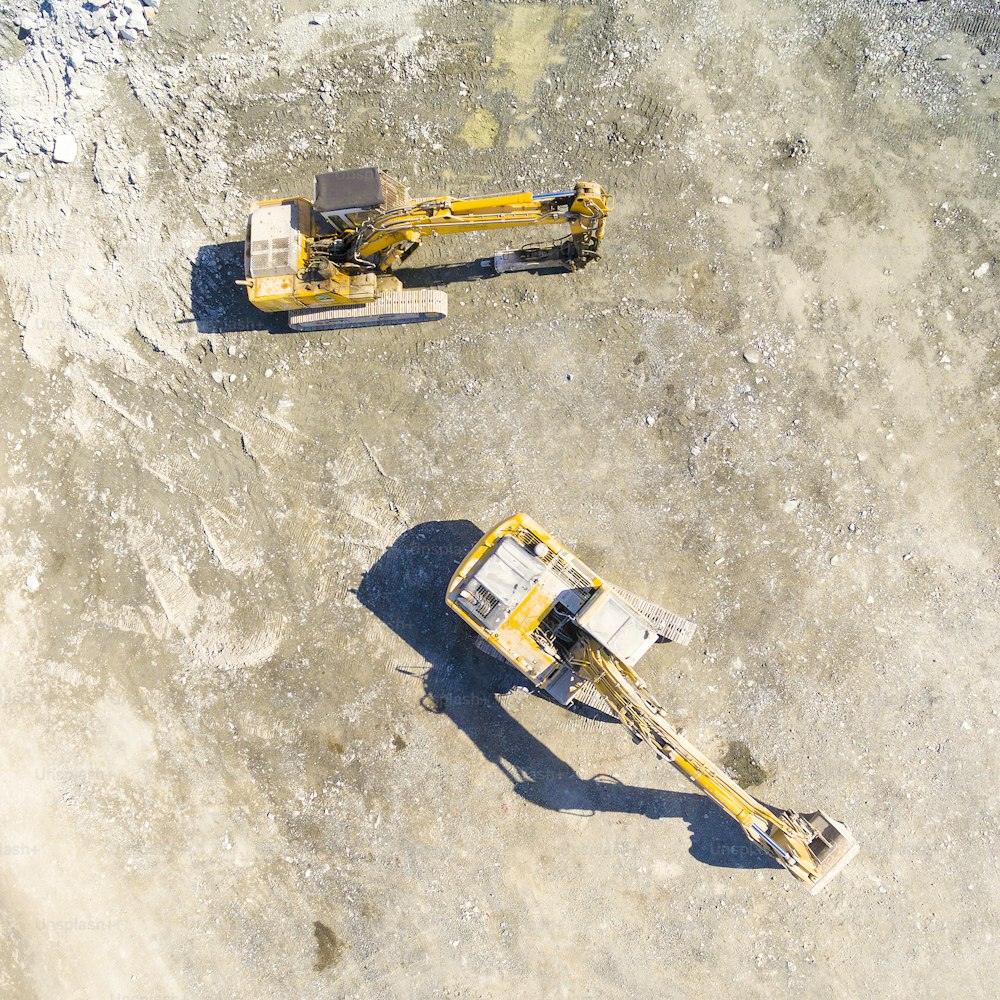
(405,589)
(220,305)
(436,275)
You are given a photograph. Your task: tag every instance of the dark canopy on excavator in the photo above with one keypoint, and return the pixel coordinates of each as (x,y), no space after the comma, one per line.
(346,189)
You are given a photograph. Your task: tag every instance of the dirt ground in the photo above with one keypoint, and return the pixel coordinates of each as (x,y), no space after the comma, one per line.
(247,751)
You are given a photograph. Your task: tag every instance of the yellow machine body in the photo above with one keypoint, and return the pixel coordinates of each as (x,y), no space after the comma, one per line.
(301,254)
(540,608)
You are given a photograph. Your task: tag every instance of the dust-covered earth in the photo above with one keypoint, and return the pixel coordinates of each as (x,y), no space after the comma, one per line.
(247,751)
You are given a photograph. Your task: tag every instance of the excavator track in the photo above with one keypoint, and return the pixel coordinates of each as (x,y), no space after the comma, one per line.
(389,309)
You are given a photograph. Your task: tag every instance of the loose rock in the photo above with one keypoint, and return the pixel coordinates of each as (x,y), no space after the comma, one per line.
(64,149)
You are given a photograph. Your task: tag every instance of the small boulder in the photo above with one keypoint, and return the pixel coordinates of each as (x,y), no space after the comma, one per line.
(65,149)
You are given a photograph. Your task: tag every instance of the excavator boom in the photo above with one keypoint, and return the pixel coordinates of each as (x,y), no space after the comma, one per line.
(539,607)
(329,261)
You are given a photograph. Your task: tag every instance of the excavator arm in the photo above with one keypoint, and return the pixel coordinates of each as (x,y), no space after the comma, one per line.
(813,848)
(388,238)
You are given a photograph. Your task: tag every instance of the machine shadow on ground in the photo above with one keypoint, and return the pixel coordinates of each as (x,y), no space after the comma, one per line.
(435,275)
(405,589)
(218,304)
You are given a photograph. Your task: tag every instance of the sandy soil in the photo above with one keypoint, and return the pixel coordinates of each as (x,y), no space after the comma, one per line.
(247,752)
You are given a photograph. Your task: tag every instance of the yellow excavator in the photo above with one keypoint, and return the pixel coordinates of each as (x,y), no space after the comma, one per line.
(328,261)
(537,606)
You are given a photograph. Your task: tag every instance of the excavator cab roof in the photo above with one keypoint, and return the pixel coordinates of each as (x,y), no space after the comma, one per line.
(348,190)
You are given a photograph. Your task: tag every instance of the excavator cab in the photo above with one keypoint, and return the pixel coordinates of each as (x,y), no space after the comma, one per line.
(343,199)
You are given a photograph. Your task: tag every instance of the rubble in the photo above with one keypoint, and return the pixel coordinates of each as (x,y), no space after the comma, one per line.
(57,45)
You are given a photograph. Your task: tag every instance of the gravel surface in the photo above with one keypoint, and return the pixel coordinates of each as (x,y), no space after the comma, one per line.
(247,751)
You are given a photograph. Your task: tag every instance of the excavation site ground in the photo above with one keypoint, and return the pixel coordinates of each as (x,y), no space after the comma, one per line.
(248,752)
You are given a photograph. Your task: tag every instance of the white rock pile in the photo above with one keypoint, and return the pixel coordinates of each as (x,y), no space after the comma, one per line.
(45,92)
(125,19)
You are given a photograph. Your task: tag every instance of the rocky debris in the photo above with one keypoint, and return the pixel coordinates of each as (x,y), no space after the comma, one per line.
(796,149)
(125,19)
(982,270)
(752,356)
(58,43)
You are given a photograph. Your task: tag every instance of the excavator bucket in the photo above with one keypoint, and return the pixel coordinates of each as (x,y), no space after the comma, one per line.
(833,847)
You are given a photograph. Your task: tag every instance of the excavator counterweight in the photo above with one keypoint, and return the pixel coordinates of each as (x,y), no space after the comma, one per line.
(537,605)
(329,262)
